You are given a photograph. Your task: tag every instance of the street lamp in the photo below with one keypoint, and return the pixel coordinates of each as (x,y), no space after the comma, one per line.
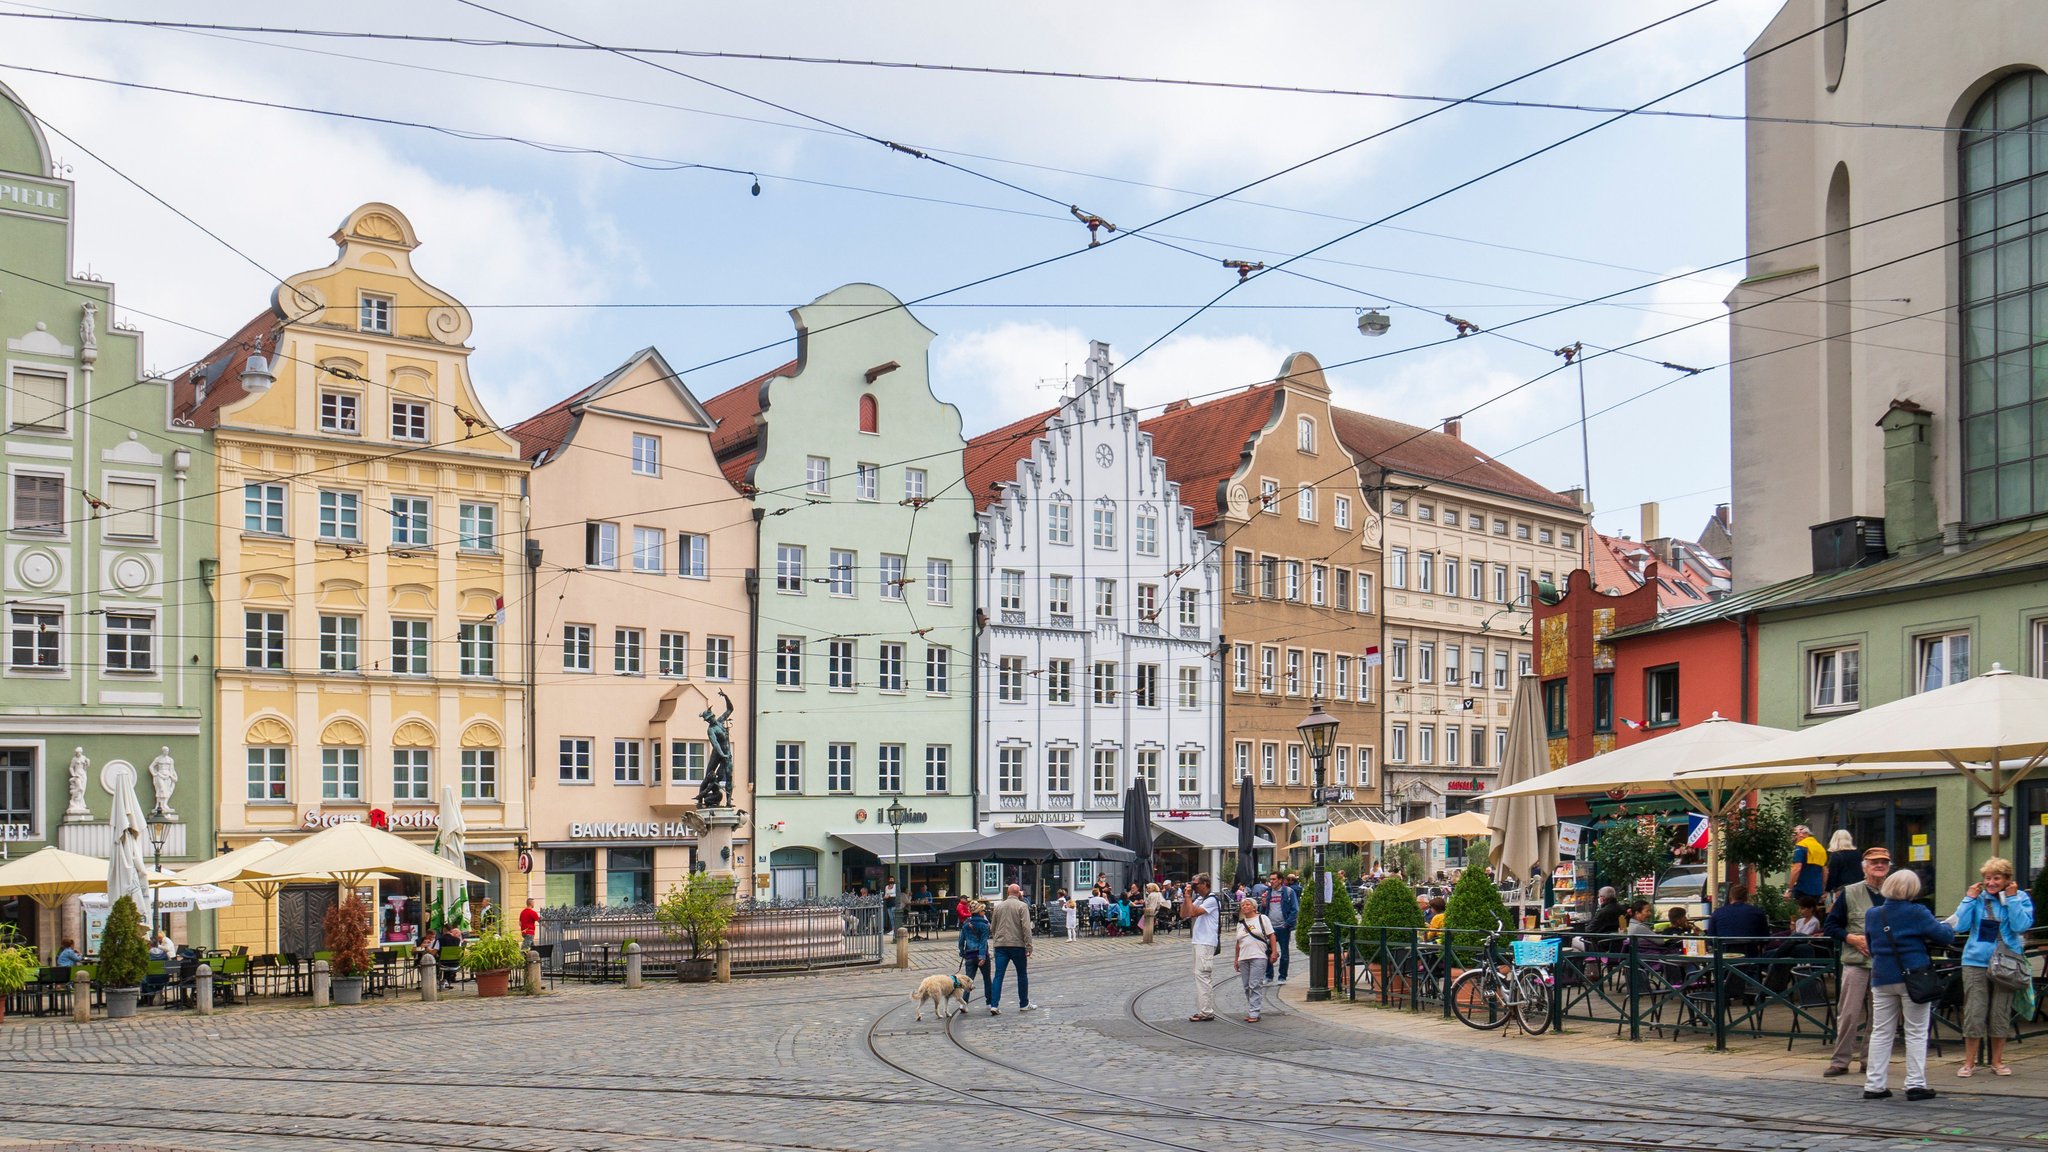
(896,814)
(1318,731)
(159,831)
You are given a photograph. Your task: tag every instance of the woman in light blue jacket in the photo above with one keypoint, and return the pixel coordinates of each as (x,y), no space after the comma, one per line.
(1992,911)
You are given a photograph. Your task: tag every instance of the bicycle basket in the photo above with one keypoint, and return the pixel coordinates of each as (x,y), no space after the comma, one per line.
(1535,953)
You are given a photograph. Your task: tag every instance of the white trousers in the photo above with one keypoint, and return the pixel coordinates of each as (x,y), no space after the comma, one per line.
(1889,1003)
(1205,979)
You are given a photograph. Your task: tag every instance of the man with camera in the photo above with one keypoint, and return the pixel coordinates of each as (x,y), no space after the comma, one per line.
(1198,907)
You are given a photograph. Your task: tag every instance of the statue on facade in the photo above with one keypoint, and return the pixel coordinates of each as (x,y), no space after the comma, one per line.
(79,767)
(88,332)
(716,790)
(163,776)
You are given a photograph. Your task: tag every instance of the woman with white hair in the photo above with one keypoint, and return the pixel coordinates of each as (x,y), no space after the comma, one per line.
(1257,946)
(1845,862)
(1900,934)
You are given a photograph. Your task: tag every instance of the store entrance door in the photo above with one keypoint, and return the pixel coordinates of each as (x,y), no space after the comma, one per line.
(300,914)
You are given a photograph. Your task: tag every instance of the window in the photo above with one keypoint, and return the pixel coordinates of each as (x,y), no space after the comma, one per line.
(1059,682)
(1059,771)
(1450,518)
(1454,741)
(1102,777)
(1189,694)
(1010,679)
(1397,660)
(1451,664)
(628,648)
(1343,678)
(1241,758)
(373,313)
(2004,449)
(1145,532)
(838,767)
(937,768)
(1500,669)
(1269,577)
(1941,660)
(1059,521)
(341,642)
(789,662)
(1425,511)
(341,774)
(1341,598)
(938,581)
(839,573)
(1478,667)
(1543,536)
(1475,586)
(575,760)
(1105,681)
(1364,679)
(480,774)
(1148,603)
(1305,434)
(789,768)
(262,508)
(1319,675)
(1564,539)
(1188,773)
(692,555)
(1294,581)
(1147,685)
(1148,770)
(913,483)
(1522,662)
(341,516)
(646,455)
(1425,663)
(889,768)
(409,774)
(131,640)
(1478,747)
(1397,508)
(408,522)
(131,510)
(892,577)
(1241,573)
(1190,608)
(1102,526)
(1521,531)
(477,648)
(1269,497)
(408,420)
(262,640)
(409,647)
(938,670)
(1397,568)
(1660,695)
(1318,584)
(626,761)
(1450,575)
(1294,671)
(889,667)
(266,773)
(1556,713)
(1500,584)
(817,475)
(1603,702)
(577,643)
(1010,591)
(1059,596)
(867,482)
(1500,527)
(340,412)
(686,761)
(40,400)
(673,654)
(1010,770)
(647,550)
(1341,514)
(1269,763)
(601,544)
(1521,585)
(1425,743)
(1269,658)
(1364,592)
(1425,571)
(789,569)
(1305,504)
(1397,743)
(718,657)
(476,527)
(1341,775)
(870,417)
(839,665)
(1105,599)
(1500,745)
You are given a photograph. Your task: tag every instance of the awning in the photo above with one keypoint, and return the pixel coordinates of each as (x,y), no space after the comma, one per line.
(918,847)
(1201,831)
(172,898)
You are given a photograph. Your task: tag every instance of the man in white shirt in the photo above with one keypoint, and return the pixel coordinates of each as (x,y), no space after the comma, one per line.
(1198,907)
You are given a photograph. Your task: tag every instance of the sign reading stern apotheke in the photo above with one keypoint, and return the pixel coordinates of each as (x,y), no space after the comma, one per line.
(416,820)
(633,830)
(38,199)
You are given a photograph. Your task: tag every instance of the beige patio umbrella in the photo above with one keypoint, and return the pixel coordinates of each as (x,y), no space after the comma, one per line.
(1464,824)
(1362,832)
(233,867)
(49,876)
(1524,828)
(353,852)
(1992,728)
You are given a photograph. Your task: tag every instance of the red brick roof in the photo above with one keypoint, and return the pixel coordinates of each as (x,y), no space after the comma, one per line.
(543,432)
(1436,455)
(992,457)
(1203,444)
(1621,565)
(736,438)
(221,371)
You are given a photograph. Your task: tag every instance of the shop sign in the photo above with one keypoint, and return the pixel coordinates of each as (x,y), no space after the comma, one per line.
(42,201)
(1037,817)
(1568,838)
(423,819)
(633,830)
(11,832)
(1464,785)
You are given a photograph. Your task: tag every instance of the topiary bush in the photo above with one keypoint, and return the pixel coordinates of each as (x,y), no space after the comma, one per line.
(1341,911)
(1474,909)
(124,950)
(1625,852)
(1391,905)
(1404,861)
(1761,838)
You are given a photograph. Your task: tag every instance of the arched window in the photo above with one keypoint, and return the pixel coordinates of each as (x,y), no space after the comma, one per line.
(870,420)
(2004,425)
(1305,434)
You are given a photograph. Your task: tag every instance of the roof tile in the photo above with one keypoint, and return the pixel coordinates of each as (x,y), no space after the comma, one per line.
(1436,455)
(992,457)
(1202,444)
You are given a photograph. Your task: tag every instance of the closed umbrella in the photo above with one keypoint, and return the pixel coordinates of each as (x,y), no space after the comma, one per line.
(1524,828)
(127,873)
(1138,828)
(1247,826)
(450,903)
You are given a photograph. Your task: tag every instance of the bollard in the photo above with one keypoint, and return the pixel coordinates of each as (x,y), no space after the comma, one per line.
(533,976)
(633,964)
(903,948)
(322,985)
(724,971)
(430,978)
(202,990)
(81,998)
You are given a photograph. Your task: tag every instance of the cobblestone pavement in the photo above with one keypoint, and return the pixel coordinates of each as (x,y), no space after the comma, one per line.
(838,1062)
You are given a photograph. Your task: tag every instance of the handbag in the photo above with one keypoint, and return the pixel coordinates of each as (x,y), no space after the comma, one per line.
(1923,984)
(2008,969)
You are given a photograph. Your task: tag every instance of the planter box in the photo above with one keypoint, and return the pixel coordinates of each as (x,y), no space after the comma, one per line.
(494,982)
(121,1002)
(696,971)
(348,989)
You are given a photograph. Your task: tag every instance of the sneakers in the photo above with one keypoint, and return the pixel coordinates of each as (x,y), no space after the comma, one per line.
(1885,1094)
(995,1011)
(1283,979)
(1919,1093)
(1027,1008)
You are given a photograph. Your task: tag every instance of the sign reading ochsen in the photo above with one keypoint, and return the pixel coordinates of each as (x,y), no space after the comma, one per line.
(633,830)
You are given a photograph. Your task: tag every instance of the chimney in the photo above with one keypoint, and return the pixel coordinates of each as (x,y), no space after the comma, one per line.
(1650,521)
(1453,428)
(1909,517)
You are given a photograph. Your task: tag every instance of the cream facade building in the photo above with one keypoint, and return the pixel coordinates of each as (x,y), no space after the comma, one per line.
(641,624)
(370,584)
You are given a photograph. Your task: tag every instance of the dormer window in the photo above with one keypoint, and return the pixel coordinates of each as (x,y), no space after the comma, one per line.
(374,313)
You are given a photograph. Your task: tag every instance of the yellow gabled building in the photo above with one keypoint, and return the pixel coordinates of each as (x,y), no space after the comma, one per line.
(371,589)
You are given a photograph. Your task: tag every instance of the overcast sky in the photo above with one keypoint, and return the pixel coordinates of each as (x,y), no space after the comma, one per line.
(691,262)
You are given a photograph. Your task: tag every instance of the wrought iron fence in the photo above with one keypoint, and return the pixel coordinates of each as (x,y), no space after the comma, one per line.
(588,942)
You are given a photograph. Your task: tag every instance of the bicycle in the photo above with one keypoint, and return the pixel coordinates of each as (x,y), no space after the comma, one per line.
(1487,998)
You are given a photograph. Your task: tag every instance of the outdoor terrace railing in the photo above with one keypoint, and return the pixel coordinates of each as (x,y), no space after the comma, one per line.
(589,941)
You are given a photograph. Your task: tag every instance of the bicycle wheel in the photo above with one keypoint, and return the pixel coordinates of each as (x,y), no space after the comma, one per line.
(1479,998)
(1532,1000)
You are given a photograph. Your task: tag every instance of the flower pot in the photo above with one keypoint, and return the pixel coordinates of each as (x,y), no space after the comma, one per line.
(696,971)
(347,989)
(121,1002)
(494,982)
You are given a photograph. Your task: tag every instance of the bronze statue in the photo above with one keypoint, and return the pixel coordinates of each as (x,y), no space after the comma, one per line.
(716,790)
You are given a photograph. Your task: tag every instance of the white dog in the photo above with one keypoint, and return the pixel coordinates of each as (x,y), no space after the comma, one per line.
(942,990)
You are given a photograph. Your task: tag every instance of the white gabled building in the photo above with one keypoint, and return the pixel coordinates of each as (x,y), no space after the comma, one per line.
(1098,617)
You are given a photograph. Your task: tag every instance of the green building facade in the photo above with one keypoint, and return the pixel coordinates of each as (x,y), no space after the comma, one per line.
(105,559)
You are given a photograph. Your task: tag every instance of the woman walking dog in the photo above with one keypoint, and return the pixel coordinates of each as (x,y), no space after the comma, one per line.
(974,955)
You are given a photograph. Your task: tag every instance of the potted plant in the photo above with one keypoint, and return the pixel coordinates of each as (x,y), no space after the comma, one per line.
(1473,911)
(347,932)
(697,910)
(491,958)
(19,966)
(123,959)
(1392,907)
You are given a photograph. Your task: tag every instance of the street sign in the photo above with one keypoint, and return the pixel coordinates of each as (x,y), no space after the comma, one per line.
(1306,816)
(1315,835)
(1329,794)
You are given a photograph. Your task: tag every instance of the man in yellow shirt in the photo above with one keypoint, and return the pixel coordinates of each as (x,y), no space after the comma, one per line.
(1809,865)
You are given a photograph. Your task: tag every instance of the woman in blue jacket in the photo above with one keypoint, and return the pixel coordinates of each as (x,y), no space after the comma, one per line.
(974,951)
(1991,911)
(1900,933)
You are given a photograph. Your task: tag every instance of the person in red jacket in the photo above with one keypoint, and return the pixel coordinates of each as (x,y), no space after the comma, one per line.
(529,924)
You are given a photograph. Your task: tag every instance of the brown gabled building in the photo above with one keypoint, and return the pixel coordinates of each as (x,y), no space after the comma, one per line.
(1276,489)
